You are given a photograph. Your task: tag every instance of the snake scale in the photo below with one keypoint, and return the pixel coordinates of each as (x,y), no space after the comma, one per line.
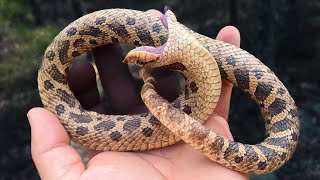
(167,44)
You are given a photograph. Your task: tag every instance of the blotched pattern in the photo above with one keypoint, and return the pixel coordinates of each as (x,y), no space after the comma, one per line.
(144,131)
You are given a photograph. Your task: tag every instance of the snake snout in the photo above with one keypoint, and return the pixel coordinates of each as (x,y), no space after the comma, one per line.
(144,55)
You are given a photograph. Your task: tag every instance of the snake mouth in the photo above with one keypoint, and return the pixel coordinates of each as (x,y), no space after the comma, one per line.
(146,54)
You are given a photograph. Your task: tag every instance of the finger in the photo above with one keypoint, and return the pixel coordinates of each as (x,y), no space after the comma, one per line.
(219,125)
(167,84)
(116,79)
(50,147)
(155,12)
(231,35)
(82,81)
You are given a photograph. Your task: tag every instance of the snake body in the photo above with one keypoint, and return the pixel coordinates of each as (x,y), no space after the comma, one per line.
(182,118)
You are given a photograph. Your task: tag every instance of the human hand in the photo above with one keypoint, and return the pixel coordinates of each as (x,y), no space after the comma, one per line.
(55,158)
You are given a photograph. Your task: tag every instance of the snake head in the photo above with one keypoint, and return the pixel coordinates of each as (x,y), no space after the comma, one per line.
(148,56)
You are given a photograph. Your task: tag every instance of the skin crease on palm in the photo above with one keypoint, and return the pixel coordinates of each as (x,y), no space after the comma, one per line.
(55,158)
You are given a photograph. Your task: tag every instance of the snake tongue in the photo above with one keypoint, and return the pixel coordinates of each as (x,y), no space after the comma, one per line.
(144,54)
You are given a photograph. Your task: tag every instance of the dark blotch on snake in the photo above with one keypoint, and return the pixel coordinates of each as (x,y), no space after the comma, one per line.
(132,125)
(50,55)
(207,47)
(71,31)
(187,109)
(283,156)
(114,40)
(48,85)
(281,141)
(218,143)
(231,61)
(238,159)
(64,124)
(131,21)
(175,67)
(100,20)
(66,70)
(81,131)
(163,39)
(105,126)
(154,121)
(57,75)
(144,114)
(81,108)
(60,109)
(120,30)
(262,165)
(67,98)
(267,152)
(120,118)
(293,113)
(137,43)
(277,106)
(281,91)
(294,136)
(263,90)
(186,92)
(63,51)
(144,36)
(75,53)
(193,87)
(156,27)
(78,42)
(282,125)
(176,103)
(232,148)
(223,72)
(258,73)
(251,153)
(80,118)
(147,132)
(115,136)
(92,31)
(242,77)
(93,42)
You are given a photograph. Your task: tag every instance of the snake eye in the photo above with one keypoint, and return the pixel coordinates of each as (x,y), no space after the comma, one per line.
(141,62)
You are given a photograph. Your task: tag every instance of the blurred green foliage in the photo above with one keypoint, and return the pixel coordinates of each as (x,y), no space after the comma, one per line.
(22,44)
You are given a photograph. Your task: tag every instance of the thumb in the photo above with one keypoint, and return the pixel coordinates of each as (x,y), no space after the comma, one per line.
(50,147)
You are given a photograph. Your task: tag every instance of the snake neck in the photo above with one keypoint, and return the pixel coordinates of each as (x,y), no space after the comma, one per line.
(184,54)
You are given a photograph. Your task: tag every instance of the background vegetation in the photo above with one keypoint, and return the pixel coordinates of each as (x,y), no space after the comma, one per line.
(284,34)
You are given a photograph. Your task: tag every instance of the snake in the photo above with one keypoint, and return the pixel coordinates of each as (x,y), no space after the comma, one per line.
(164,43)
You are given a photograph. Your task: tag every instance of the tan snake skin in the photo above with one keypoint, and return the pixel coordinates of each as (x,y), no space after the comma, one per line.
(203,56)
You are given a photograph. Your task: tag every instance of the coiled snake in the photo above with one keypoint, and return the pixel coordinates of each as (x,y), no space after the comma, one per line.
(201,60)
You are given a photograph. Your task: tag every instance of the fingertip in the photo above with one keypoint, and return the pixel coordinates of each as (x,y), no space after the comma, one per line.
(230,34)
(46,129)
(155,12)
(50,146)
(219,125)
